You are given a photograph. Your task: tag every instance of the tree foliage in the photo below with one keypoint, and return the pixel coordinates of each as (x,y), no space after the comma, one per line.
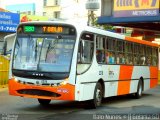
(105,27)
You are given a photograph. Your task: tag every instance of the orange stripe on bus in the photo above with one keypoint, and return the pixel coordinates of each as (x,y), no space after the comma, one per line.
(124,79)
(141,41)
(67,91)
(153,76)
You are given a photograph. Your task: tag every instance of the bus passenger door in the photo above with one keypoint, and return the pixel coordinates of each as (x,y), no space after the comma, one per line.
(85,75)
(85,53)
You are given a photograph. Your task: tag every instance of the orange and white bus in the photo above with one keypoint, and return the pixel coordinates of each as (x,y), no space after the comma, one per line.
(62,61)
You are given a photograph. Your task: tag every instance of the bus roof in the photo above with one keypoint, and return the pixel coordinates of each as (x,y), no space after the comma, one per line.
(79,27)
(82,27)
(141,41)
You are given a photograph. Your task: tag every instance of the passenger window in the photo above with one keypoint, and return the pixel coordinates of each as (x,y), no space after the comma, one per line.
(129,53)
(136,54)
(154,56)
(149,56)
(100,49)
(111,48)
(142,55)
(120,58)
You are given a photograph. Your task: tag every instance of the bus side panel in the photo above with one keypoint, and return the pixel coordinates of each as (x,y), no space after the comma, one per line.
(124,79)
(153,76)
(84,90)
(87,91)
(111,89)
(133,86)
(138,72)
(111,77)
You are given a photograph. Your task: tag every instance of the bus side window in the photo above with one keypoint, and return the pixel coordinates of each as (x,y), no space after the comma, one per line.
(107,57)
(142,55)
(100,49)
(129,53)
(148,55)
(120,52)
(136,54)
(100,56)
(111,48)
(154,56)
(112,58)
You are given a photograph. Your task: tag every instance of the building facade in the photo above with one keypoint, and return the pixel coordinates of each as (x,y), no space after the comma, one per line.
(52,8)
(74,10)
(142,14)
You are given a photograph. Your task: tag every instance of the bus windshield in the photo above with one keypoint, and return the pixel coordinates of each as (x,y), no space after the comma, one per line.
(43,54)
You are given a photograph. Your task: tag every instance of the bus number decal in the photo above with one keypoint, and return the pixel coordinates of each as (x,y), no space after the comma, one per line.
(110,73)
(63,90)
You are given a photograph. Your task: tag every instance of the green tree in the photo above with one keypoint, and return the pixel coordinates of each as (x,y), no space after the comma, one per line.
(105,27)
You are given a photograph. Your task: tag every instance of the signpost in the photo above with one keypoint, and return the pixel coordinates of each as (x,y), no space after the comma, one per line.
(136,8)
(9,21)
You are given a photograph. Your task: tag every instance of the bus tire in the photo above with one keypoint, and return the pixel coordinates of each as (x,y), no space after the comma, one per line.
(98,95)
(138,94)
(44,102)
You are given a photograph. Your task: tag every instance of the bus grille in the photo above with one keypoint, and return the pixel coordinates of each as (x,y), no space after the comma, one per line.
(38,93)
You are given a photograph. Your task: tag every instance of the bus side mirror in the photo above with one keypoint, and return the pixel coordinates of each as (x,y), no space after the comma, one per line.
(81,51)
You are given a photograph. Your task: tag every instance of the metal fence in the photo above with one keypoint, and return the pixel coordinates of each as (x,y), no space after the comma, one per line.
(4,70)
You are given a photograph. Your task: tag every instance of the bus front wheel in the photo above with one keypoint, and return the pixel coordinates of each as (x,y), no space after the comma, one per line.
(98,95)
(44,102)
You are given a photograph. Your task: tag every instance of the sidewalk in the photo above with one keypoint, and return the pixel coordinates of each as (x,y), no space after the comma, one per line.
(3,88)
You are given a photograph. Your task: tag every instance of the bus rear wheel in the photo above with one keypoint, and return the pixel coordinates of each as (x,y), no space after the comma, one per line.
(44,102)
(138,94)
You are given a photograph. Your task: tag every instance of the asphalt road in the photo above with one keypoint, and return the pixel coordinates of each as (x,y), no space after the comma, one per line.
(114,108)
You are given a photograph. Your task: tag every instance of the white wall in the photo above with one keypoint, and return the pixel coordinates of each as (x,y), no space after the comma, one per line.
(2,4)
(70,9)
(73,11)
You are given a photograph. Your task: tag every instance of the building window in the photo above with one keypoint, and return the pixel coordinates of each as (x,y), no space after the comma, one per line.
(56,14)
(34,12)
(29,12)
(44,13)
(57,2)
(44,2)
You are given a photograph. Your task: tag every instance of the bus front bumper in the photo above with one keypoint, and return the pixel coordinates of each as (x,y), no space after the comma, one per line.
(61,92)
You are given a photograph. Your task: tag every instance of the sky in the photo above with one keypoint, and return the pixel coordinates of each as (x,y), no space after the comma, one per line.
(10,2)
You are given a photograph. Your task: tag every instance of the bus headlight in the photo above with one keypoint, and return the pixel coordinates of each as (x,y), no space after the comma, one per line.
(64,82)
(15,79)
